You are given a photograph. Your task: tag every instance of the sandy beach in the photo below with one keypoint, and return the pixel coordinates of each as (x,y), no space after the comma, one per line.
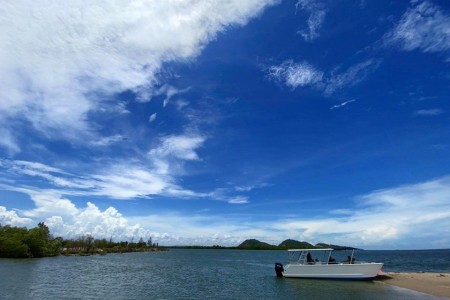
(436,284)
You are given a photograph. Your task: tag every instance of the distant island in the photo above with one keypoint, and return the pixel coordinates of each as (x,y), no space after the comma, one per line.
(253,244)
(18,242)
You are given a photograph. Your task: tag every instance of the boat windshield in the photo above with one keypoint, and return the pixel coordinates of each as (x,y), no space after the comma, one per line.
(309,256)
(320,256)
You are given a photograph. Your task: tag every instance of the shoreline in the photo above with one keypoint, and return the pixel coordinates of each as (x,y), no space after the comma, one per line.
(435,284)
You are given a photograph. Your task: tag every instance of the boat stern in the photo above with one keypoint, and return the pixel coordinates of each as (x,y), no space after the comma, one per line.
(279,269)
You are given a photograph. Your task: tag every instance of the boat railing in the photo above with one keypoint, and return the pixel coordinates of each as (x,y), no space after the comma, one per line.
(320,257)
(359,262)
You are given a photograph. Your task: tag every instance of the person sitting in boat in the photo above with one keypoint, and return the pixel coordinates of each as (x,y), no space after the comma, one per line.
(350,260)
(331,260)
(309,259)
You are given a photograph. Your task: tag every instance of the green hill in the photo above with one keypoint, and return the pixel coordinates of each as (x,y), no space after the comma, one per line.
(293,244)
(335,247)
(255,244)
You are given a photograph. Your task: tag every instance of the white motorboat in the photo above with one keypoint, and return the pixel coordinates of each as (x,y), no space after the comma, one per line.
(319,263)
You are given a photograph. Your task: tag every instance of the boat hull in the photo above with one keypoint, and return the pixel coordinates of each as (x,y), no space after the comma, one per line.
(361,271)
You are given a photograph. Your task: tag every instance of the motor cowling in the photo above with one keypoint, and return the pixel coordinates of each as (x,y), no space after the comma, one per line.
(279,269)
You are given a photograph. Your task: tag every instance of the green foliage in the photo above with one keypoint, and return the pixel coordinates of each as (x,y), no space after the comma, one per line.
(255,244)
(287,244)
(293,244)
(16,242)
(335,247)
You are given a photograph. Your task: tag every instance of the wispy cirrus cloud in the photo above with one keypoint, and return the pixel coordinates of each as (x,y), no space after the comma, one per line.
(342,104)
(179,146)
(295,75)
(119,179)
(396,217)
(429,112)
(108,140)
(342,79)
(9,142)
(317,13)
(60,62)
(424,26)
(152,117)
(238,200)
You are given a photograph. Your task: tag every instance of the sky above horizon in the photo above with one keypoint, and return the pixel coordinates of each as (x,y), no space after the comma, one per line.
(211,122)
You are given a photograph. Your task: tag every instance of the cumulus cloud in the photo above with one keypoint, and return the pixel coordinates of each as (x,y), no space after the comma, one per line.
(49,203)
(10,217)
(397,217)
(424,26)
(61,61)
(317,14)
(100,224)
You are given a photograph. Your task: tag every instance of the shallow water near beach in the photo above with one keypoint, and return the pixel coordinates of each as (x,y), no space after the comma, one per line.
(199,274)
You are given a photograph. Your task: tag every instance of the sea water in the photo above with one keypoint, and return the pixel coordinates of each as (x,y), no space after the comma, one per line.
(200,274)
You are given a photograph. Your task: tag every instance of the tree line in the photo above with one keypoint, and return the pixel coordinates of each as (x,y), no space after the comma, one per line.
(19,242)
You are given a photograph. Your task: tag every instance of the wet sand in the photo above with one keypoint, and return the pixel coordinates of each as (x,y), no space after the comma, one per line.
(436,284)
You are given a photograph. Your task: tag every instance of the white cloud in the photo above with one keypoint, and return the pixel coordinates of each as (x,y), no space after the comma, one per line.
(238,200)
(316,17)
(429,112)
(108,140)
(122,180)
(179,146)
(10,217)
(295,74)
(60,61)
(100,224)
(399,216)
(342,104)
(424,26)
(166,90)
(28,167)
(127,182)
(52,175)
(49,203)
(9,142)
(349,77)
(152,117)
(409,216)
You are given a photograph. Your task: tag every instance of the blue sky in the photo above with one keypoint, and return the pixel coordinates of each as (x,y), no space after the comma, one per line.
(211,122)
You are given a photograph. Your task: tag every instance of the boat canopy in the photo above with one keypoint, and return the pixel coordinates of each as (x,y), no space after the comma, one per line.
(321,249)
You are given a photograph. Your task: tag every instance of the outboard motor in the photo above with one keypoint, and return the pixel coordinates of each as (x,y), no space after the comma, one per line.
(279,269)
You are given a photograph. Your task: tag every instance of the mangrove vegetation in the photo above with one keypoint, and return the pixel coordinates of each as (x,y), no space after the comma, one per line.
(19,242)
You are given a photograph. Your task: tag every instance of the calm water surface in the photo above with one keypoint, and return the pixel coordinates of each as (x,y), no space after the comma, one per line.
(199,274)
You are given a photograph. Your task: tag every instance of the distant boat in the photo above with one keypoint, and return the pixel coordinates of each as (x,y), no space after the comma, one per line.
(303,263)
